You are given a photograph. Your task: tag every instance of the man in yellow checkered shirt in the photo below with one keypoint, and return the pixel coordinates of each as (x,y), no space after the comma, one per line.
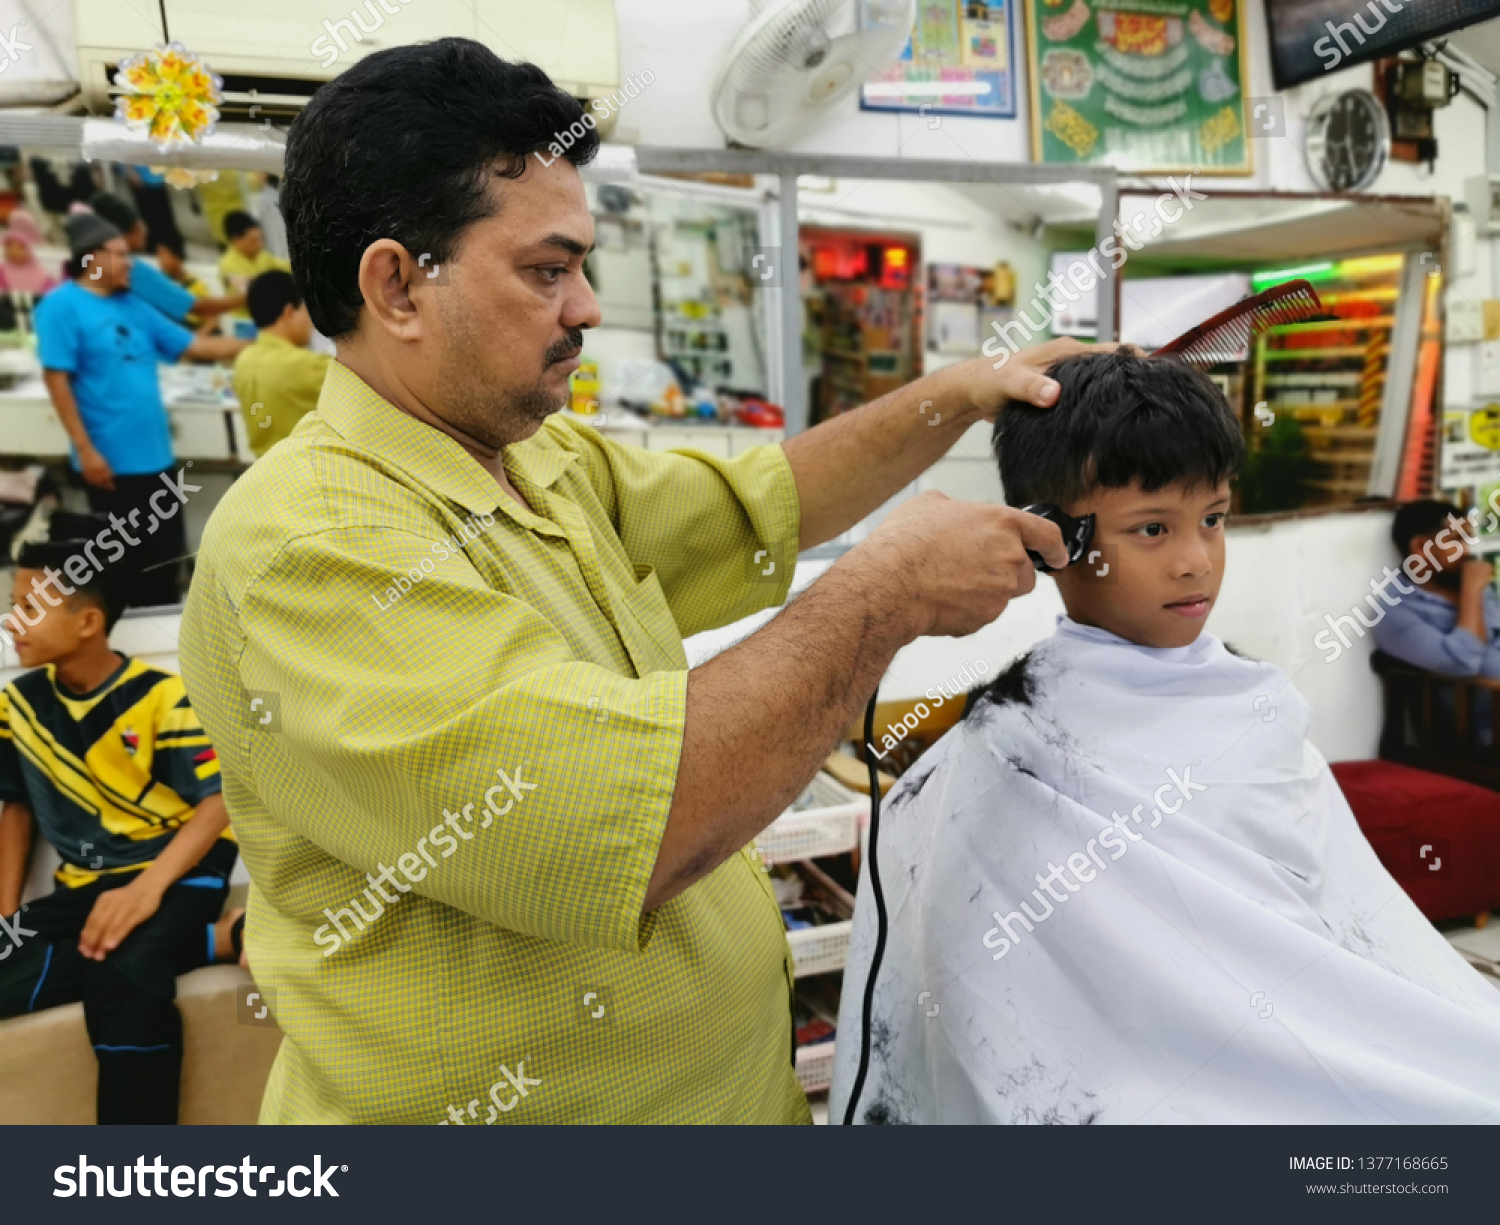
(498,833)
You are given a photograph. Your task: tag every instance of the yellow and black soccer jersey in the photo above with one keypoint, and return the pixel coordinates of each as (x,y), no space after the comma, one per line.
(110,775)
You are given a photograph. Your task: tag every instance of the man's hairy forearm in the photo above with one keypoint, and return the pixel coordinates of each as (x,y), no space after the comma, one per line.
(15,850)
(847,467)
(763,716)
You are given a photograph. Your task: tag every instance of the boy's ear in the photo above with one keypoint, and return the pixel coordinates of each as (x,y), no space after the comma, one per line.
(90,622)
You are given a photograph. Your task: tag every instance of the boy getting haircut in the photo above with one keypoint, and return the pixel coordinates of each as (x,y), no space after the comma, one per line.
(1129,883)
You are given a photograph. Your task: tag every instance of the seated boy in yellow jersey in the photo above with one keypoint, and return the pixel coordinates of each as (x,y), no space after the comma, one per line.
(277,379)
(247,256)
(105,755)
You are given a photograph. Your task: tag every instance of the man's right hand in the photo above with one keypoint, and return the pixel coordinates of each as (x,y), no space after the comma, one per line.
(958,564)
(1476,573)
(96,469)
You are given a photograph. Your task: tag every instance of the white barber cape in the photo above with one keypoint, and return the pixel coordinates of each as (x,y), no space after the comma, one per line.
(1140,897)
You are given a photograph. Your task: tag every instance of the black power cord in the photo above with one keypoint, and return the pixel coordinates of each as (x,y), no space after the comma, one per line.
(880,918)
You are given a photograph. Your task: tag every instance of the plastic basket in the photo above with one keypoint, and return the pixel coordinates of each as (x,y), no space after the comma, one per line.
(815,1066)
(819,950)
(829,829)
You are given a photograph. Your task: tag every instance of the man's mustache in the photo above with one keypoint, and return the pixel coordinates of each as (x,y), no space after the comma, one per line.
(566,347)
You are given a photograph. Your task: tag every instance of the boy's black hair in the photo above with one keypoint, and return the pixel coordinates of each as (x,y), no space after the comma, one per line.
(239,223)
(1118,418)
(173,243)
(102,587)
(269,294)
(1421,518)
(404,145)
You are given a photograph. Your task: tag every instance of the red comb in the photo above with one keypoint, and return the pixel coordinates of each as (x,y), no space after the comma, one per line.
(1227,336)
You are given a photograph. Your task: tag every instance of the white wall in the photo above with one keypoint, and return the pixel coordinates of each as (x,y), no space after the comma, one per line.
(1280,582)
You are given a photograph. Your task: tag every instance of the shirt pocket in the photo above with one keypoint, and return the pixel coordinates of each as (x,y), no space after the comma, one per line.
(647,626)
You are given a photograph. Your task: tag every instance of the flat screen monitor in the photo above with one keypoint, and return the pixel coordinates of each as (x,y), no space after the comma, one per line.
(1311,37)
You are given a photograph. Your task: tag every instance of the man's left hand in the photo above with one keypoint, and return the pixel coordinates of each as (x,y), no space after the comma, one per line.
(115,915)
(1023,377)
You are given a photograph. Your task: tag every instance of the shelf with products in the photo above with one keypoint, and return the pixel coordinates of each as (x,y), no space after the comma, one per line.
(862,314)
(1328,379)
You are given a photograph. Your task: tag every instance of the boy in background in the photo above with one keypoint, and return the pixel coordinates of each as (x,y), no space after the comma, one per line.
(104,755)
(1126,888)
(277,380)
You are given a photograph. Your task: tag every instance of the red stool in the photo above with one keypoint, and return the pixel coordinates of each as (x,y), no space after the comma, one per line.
(1438,836)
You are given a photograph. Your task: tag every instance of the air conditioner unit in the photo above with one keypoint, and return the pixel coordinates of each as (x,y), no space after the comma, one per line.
(272,54)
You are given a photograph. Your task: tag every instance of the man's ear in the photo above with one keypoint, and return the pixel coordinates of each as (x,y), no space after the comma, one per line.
(385,276)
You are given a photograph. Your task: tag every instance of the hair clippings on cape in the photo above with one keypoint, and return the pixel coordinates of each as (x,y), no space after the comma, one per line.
(1076,533)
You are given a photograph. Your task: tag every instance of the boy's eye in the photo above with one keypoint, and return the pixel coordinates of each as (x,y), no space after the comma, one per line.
(1216,519)
(552,275)
(1152,529)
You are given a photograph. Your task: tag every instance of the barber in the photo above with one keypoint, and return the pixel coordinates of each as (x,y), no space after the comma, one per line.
(498,832)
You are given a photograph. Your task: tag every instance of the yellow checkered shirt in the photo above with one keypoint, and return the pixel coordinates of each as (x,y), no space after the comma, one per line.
(369,656)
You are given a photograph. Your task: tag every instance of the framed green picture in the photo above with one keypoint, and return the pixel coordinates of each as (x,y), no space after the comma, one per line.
(1149,86)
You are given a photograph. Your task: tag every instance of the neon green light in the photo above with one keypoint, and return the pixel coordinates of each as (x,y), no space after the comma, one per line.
(1308,272)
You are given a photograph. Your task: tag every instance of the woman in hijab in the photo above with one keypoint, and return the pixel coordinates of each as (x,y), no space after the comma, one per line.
(20,269)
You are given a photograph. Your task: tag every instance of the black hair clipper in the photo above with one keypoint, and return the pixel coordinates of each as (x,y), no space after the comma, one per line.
(1076,533)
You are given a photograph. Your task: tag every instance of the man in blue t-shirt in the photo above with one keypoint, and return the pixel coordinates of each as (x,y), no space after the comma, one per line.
(149,282)
(99,346)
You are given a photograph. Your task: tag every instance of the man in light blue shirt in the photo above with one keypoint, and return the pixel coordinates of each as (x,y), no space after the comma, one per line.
(99,346)
(1450,623)
(1447,619)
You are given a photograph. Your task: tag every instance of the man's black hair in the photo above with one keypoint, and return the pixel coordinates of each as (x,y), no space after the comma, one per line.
(403,145)
(239,223)
(1421,518)
(102,588)
(269,294)
(1118,418)
(120,213)
(173,243)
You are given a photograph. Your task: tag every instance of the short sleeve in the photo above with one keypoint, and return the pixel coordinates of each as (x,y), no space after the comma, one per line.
(57,334)
(12,780)
(721,534)
(169,339)
(1404,633)
(155,288)
(451,731)
(182,758)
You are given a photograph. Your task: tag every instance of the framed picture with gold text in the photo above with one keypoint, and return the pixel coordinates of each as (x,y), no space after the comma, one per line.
(1148,86)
